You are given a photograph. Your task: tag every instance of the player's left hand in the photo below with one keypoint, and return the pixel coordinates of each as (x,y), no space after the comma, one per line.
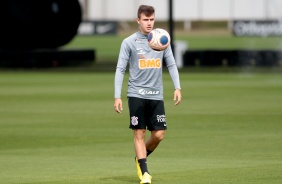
(177,96)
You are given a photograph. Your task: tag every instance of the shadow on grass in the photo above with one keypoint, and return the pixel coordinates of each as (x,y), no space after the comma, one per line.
(122,179)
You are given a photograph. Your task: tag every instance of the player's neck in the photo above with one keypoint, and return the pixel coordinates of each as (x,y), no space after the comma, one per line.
(142,32)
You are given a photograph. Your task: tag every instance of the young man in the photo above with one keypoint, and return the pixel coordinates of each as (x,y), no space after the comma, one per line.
(145,89)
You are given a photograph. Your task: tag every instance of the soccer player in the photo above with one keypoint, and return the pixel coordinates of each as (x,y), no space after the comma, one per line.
(145,88)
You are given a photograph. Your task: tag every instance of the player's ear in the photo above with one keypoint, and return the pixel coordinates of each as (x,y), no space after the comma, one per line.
(138,20)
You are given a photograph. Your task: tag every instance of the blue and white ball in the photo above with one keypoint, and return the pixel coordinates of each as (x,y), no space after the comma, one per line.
(158,39)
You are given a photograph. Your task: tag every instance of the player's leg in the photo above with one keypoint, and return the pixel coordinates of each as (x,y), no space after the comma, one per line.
(139,143)
(138,125)
(140,150)
(157,125)
(154,140)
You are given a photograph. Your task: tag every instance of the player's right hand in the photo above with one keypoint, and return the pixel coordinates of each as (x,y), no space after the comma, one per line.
(118,105)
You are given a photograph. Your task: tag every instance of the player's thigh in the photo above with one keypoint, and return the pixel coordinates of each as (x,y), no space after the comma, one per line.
(137,113)
(157,115)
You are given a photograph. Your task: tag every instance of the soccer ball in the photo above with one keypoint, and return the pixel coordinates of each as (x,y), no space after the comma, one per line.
(158,39)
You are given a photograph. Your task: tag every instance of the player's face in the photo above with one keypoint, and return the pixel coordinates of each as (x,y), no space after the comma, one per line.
(146,23)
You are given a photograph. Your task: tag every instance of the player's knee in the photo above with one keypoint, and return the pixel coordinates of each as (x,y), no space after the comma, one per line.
(159,136)
(139,135)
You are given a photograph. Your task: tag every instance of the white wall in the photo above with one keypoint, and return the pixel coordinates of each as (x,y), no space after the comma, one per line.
(186,10)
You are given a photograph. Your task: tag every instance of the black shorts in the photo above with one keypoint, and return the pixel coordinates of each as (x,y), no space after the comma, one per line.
(146,113)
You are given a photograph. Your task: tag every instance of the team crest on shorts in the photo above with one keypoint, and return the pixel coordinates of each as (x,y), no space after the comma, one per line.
(134,120)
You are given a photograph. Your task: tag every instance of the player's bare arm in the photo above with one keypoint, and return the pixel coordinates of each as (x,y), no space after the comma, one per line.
(177,96)
(118,105)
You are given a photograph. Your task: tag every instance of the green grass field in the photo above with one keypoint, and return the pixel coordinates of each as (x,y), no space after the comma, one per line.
(60,128)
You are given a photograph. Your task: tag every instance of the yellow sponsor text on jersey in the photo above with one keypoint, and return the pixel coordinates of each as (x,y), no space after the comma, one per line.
(149,63)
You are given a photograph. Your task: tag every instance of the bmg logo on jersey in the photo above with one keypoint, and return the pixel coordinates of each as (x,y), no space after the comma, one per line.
(149,63)
(161,118)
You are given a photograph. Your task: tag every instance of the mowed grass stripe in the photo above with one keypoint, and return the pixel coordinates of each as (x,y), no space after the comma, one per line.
(61,128)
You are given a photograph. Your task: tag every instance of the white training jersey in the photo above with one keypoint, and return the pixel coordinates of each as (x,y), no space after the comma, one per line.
(145,68)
